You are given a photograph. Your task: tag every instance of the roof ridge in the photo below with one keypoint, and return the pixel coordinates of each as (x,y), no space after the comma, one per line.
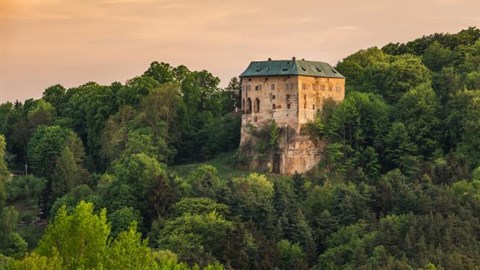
(291,67)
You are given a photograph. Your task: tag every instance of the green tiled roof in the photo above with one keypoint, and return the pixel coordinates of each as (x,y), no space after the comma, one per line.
(290,67)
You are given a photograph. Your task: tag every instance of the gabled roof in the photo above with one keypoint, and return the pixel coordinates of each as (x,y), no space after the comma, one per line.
(290,67)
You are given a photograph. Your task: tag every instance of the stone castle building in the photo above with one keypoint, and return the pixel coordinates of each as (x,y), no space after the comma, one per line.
(291,92)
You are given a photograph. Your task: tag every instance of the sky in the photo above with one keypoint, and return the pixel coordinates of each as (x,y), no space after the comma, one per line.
(71,42)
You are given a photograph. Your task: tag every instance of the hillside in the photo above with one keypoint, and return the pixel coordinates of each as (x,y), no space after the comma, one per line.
(145,175)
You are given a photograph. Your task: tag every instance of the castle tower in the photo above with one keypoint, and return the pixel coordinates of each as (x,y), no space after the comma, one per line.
(291,92)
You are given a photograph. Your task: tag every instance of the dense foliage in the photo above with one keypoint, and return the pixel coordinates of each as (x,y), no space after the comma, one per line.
(399,187)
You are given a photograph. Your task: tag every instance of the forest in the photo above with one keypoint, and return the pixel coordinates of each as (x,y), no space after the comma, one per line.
(145,174)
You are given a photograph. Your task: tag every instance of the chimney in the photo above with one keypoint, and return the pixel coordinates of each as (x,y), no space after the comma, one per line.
(269,59)
(293,58)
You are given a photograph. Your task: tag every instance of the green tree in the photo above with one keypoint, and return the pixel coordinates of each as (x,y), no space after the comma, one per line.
(28,117)
(73,198)
(198,206)
(161,72)
(400,151)
(291,255)
(355,66)
(116,134)
(4,174)
(55,95)
(163,193)
(6,115)
(65,174)
(418,110)
(252,199)
(436,56)
(129,251)
(159,111)
(80,239)
(446,82)
(24,187)
(204,182)
(137,177)
(405,72)
(196,238)
(11,243)
(121,219)
(463,124)
(34,261)
(86,110)
(230,96)
(45,147)
(344,246)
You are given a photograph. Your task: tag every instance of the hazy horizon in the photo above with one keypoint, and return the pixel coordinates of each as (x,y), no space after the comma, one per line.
(45,42)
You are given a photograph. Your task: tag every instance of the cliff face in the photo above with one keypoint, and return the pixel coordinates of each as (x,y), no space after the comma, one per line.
(284,151)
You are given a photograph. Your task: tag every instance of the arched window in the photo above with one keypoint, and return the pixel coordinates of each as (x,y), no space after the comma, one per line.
(256,106)
(243,105)
(249,105)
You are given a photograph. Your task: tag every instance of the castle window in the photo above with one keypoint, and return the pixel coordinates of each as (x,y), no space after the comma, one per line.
(243,105)
(288,105)
(258,87)
(313,107)
(273,106)
(288,86)
(304,86)
(273,96)
(249,105)
(288,97)
(256,106)
(272,86)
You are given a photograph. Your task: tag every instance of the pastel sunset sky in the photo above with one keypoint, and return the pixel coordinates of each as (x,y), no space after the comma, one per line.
(71,42)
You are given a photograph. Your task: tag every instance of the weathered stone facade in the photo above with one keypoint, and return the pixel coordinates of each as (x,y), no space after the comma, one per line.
(290,92)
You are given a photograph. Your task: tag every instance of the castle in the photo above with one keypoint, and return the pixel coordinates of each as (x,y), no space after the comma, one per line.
(291,92)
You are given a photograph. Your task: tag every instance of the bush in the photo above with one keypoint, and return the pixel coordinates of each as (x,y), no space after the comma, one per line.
(24,187)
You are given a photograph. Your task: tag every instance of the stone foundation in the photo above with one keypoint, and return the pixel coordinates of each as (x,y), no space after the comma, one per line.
(300,155)
(293,153)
